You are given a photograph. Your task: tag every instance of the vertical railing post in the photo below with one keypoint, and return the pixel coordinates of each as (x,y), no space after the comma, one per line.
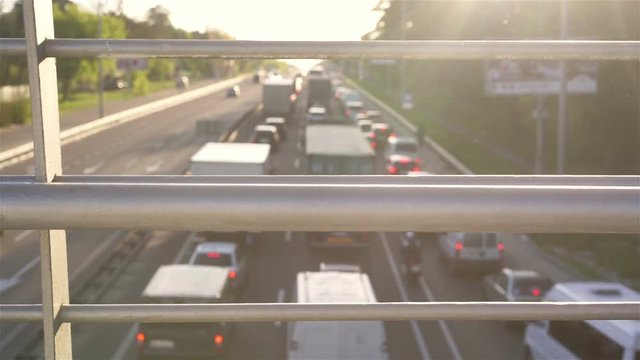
(43,86)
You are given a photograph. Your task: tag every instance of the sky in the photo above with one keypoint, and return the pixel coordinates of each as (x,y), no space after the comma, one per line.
(263,19)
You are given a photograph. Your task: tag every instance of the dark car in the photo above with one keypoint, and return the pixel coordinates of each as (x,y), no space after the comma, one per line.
(266,134)
(233,91)
(402,165)
(381,133)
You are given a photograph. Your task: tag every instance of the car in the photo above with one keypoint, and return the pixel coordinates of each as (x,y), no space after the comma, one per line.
(350,95)
(381,133)
(352,109)
(316,114)
(584,339)
(340,91)
(402,165)
(266,134)
(401,146)
(223,254)
(365,125)
(233,91)
(182,82)
(472,251)
(280,124)
(515,285)
(374,115)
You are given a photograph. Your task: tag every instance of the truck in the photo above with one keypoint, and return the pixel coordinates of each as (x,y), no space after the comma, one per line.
(218,158)
(180,283)
(320,91)
(278,97)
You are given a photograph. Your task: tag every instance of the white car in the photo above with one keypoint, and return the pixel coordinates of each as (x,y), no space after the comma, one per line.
(406,146)
(223,254)
(590,339)
(468,250)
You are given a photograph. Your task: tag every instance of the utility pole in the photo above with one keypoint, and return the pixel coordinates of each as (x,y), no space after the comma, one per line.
(403,36)
(100,77)
(562,96)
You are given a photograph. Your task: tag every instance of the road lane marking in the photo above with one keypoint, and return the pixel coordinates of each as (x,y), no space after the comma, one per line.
(154,167)
(443,325)
(422,346)
(296,163)
(126,344)
(232,137)
(92,169)
(131,162)
(23,235)
(287,236)
(279,299)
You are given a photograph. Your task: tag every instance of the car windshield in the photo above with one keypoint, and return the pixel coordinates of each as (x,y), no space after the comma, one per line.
(409,147)
(213,258)
(531,286)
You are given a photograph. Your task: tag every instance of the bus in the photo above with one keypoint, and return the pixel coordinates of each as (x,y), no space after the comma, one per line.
(338,150)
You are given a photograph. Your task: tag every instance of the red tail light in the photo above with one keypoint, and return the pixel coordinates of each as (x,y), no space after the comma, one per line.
(140,338)
(218,339)
(392,170)
(535,292)
(500,246)
(458,246)
(233,274)
(213,255)
(374,145)
(416,168)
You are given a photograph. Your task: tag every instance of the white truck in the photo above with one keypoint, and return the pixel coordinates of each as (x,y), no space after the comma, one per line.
(217,158)
(277,97)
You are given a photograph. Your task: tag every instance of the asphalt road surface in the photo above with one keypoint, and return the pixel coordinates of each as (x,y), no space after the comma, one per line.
(162,144)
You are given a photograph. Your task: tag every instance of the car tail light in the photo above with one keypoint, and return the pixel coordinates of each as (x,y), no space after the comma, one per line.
(500,246)
(213,255)
(140,338)
(293,97)
(374,145)
(416,168)
(233,274)
(393,135)
(392,170)
(535,292)
(459,246)
(218,339)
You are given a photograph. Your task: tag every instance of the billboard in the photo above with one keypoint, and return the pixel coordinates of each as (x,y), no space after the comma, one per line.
(535,77)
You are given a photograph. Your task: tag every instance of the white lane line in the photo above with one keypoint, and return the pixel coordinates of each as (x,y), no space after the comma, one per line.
(154,167)
(422,346)
(27,267)
(279,299)
(232,137)
(287,236)
(23,235)
(92,169)
(443,325)
(126,344)
(296,163)
(131,162)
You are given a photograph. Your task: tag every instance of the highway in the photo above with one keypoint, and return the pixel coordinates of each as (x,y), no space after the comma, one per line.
(162,144)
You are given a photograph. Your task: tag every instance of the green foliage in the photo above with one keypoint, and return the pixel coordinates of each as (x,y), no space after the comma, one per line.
(15,112)
(160,69)
(140,83)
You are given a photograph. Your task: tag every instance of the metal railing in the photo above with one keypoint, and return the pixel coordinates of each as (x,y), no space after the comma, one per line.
(50,200)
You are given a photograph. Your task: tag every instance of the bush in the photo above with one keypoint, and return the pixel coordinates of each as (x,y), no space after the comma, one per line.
(15,112)
(140,83)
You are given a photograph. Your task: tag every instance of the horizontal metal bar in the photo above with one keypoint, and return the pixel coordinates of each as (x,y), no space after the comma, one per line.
(391,311)
(322,207)
(521,180)
(461,50)
(13,47)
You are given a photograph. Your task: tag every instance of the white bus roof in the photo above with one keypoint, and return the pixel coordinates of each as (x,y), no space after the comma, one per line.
(626,332)
(334,287)
(248,153)
(187,281)
(336,140)
(278,81)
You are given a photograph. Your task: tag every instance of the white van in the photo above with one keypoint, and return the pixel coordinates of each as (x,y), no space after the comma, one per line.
(335,339)
(472,251)
(590,339)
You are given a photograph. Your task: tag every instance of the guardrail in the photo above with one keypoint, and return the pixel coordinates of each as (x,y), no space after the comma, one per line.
(25,151)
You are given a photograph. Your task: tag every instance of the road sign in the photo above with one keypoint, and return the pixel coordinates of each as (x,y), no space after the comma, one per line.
(510,77)
(407,102)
